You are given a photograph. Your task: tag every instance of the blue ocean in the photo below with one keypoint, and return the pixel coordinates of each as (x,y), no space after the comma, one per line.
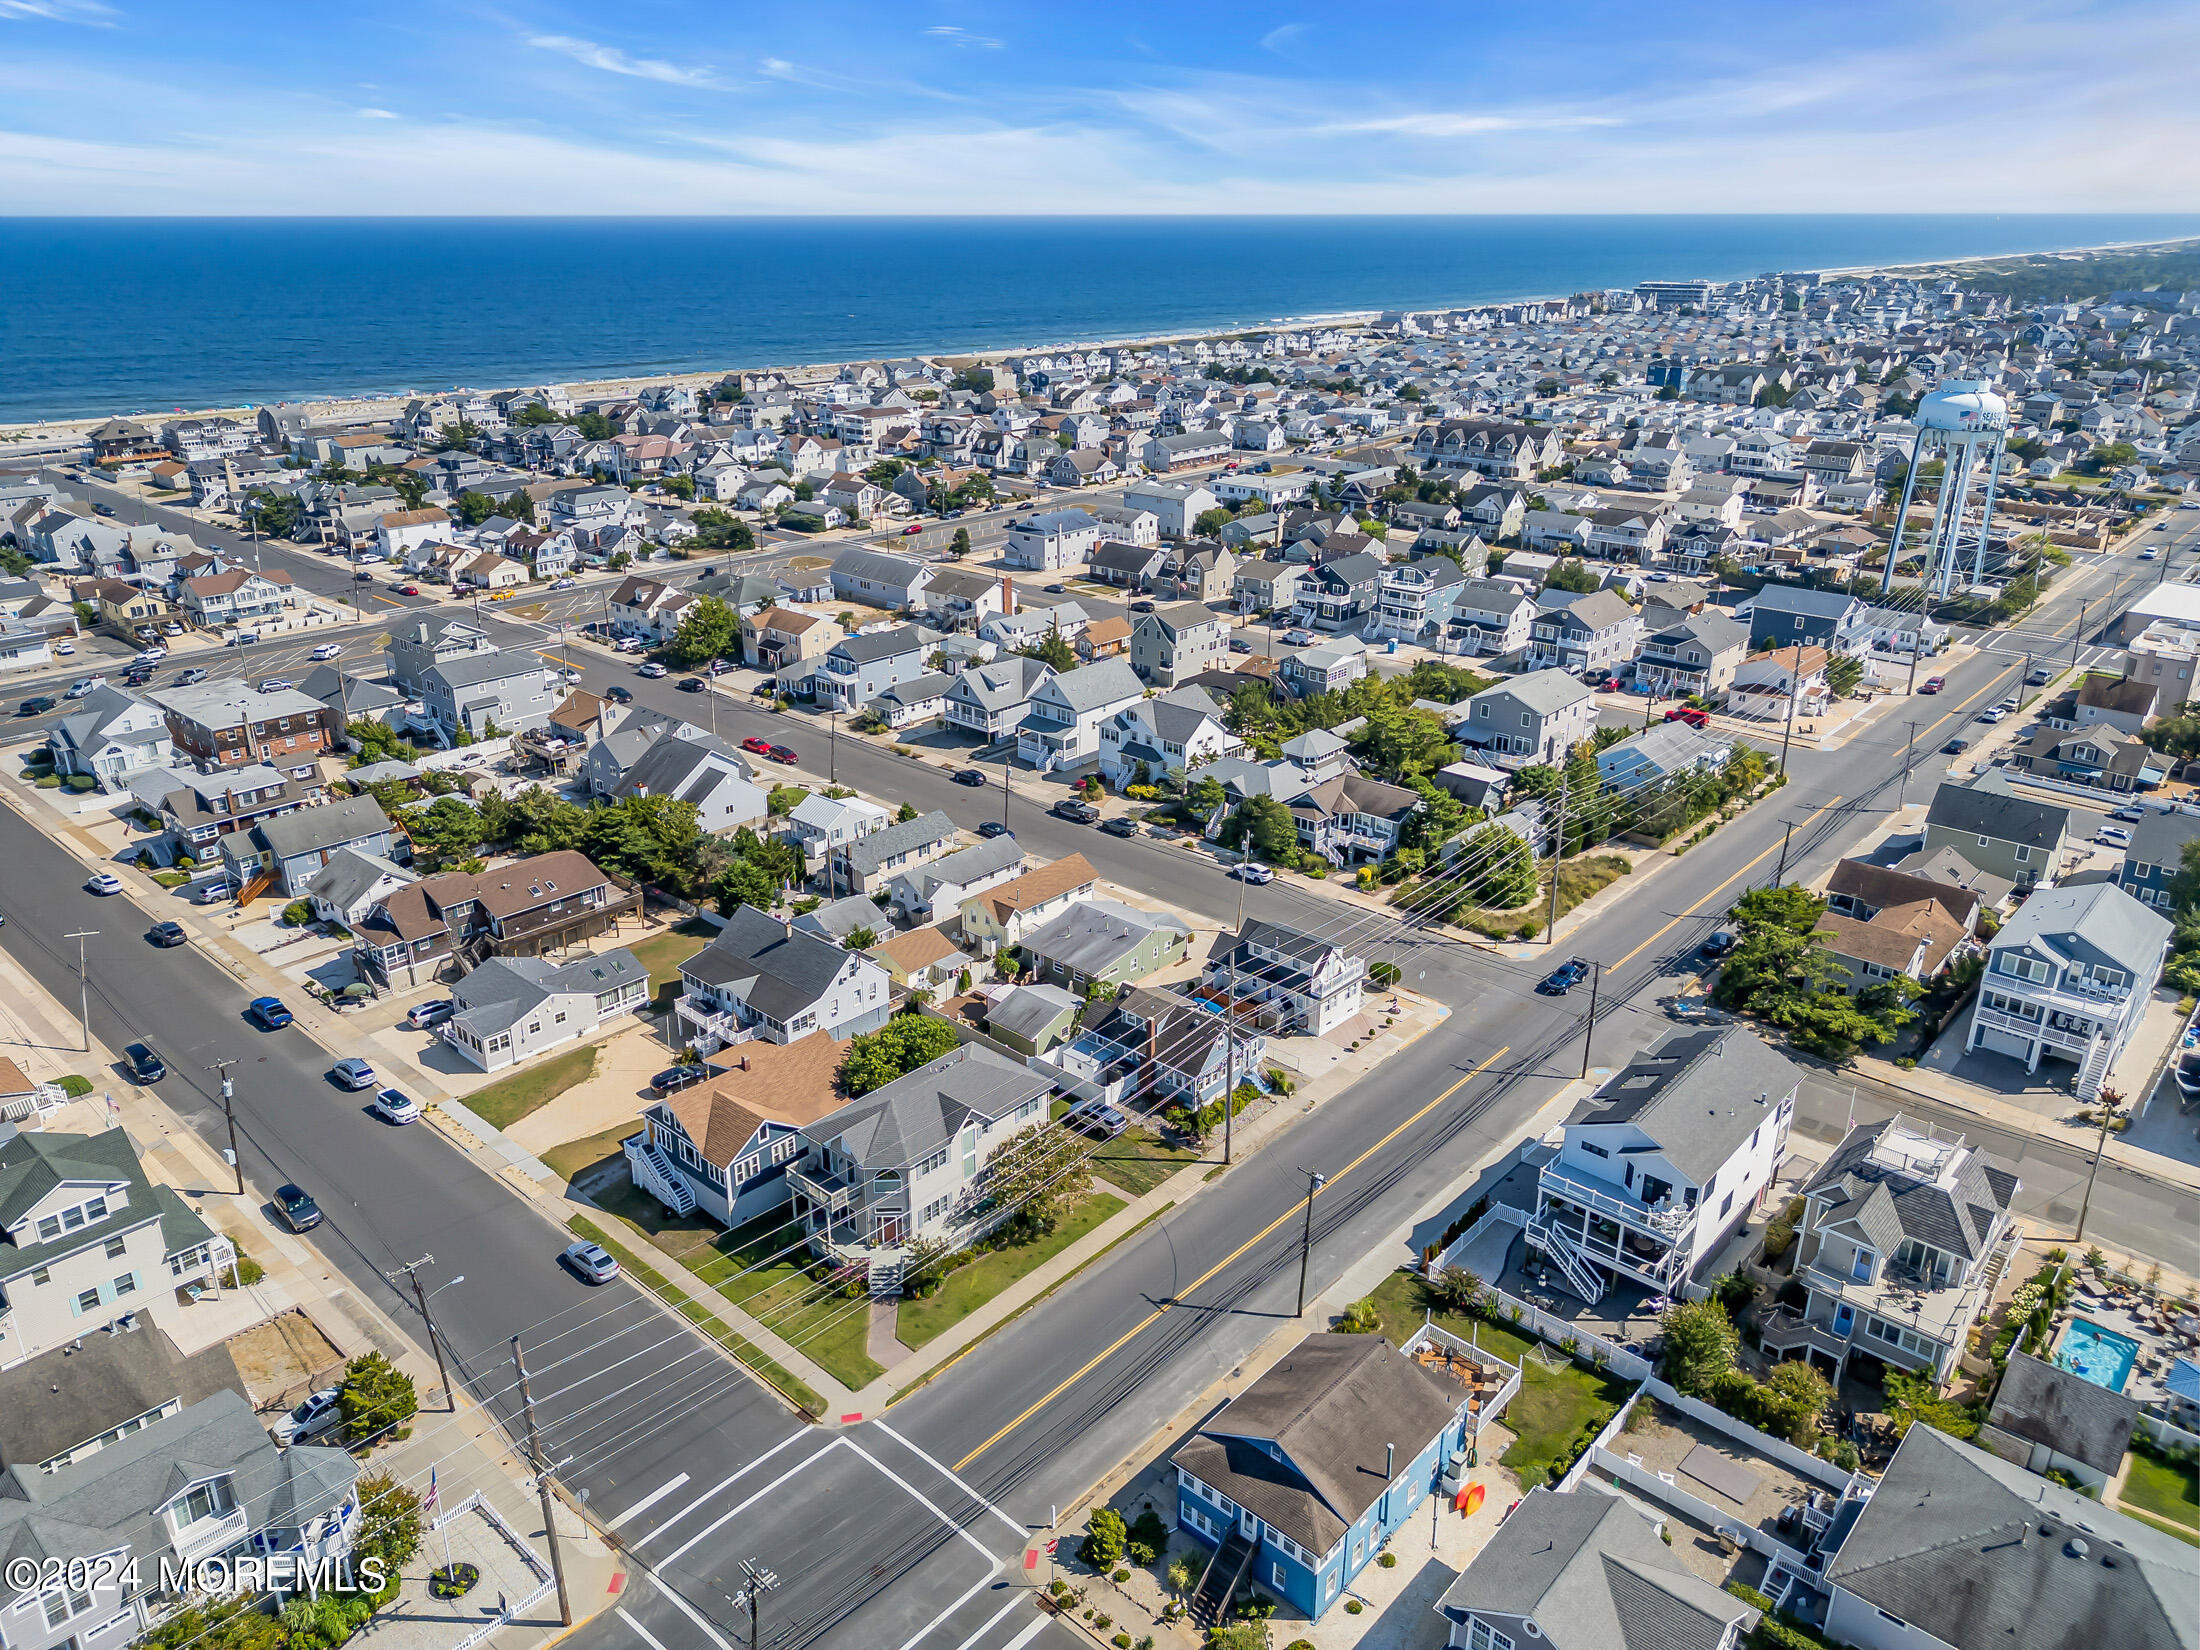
(146,315)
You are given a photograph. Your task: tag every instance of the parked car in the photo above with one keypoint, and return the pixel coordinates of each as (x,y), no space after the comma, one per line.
(37,705)
(269,1011)
(353,1073)
(757,745)
(317,1416)
(1563,978)
(675,1078)
(2041,675)
(394,1106)
(1298,638)
(145,1065)
(2130,812)
(783,754)
(1142,607)
(1955,747)
(84,687)
(993,828)
(1993,713)
(327,650)
(295,1204)
(197,673)
(1720,944)
(211,893)
(1254,872)
(971,777)
(688,684)
(103,882)
(64,649)
(591,1261)
(1238,644)
(720,667)
(424,1015)
(1096,1118)
(167,933)
(2113,836)
(1119,827)
(1933,684)
(1076,812)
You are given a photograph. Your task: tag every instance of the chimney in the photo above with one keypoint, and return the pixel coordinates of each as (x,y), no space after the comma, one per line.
(744,1062)
(1008,594)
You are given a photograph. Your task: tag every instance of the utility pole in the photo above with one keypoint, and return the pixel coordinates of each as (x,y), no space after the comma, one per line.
(2077,636)
(1902,787)
(1780,876)
(1558,854)
(759,1582)
(1314,1183)
(1589,1036)
(832,749)
(1795,691)
(411,1269)
(83,984)
(1006,758)
(2110,1100)
(1229,1037)
(542,1483)
(229,1110)
(2024,682)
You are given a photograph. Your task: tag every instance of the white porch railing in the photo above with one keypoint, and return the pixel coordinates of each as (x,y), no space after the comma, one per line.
(1663,1219)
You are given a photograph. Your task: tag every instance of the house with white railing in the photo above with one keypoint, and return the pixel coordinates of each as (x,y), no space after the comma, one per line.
(2070,975)
(1664,1160)
(761,977)
(1904,1234)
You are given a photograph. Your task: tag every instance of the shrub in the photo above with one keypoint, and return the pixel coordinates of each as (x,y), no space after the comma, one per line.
(1360,1318)
(1105,1536)
(1121,1641)
(81,782)
(376,1397)
(75,1087)
(1150,1534)
(298,913)
(1387,1560)
(47,782)
(1352,1606)
(1119,1575)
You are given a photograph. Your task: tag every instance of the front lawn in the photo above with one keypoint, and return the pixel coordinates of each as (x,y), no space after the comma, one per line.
(1138,1160)
(1404,1303)
(662,954)
(2170,1493)
(970,1287)
(576,1157)
(764,1269)
(505,1102)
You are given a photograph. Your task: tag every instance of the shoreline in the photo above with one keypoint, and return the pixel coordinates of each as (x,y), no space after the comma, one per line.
(369,405)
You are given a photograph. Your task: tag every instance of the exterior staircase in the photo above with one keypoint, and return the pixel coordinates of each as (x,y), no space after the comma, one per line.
(883,1276)
(654,1173)
(261,882)
(1219,1583)
(1580,1273)
(2094,1072)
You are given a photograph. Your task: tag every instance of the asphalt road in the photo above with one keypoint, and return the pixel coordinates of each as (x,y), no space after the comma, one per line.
(871,1529)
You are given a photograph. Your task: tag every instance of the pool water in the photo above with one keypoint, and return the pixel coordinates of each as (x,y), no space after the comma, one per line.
(2100,1355)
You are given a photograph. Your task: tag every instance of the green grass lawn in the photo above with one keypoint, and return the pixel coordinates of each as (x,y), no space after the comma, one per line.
(576,1157)
(502,1104)
(2170,1493)
(1403,1301)
(1139,1160)
(1554,1416)
(662,954)
(970,1287)
(762,1269)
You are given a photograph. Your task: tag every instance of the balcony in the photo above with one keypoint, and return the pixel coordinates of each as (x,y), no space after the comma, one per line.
(1784,1329)
(828,1194)
(1665,1220)
(704,1022)
(2058,1037)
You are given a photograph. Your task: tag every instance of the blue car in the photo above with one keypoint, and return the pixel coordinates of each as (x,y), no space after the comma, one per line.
(269,1011)
(1563,978)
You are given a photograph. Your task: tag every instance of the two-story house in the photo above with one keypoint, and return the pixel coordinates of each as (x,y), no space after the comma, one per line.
(1339,594)
(1299,1481)
(1664,1160)
(723,1145)
(86,1239)
(1352,818)
(1062,727)
(645,607)
(1780,685)
(934,884)
(991,700)
(877,579)
(2016,838)
(1010,912)
(1305,982)
(240,598)
(287,851)
(1416,602)
(1052,541)
(513,1008)
(1782,615)
(1491,616)
(1266,586)
(215,725)
(203,808)
(1595,633)
(1176,641)
(1171,733)
(777,639)
(907,1163)
(868,862)
(2070,975)
(1490,447)
(485,694)
(2098,756)
(819,824)
(2156,855)
(409,935)
(1696,654)
(1904,1234)
(111,735)
(418,644)
(1536,718)
(857,669)
(760,977)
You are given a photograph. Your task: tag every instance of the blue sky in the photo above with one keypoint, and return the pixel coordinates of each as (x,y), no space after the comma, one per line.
(953,107)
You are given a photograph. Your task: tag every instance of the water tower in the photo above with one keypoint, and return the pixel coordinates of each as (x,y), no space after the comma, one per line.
(1963,423)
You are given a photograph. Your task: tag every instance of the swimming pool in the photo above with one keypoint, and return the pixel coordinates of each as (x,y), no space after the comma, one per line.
(2100,1355)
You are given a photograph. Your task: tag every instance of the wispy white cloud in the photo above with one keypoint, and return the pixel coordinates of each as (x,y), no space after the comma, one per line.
(377,114)
(963,37)
(1281,36)
(614,61)
(90,13)
(1438,123)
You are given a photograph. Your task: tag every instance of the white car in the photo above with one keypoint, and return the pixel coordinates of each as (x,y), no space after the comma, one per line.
(395,1106)
(327,650)
(319,1414)
(83,686)
(653,670)
(1996,714)
(2113,836)
(2150,553)
(1252,872)
(103,882)
(64,649)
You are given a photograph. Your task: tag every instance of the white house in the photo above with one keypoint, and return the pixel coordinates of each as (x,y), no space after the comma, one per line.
(1063,726)
(1312,983)
(1172,732)
(1051,541)
(1536,718)
(764,978)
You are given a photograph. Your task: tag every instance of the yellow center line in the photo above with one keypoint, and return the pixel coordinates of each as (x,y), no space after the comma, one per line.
(1289,1213)
(1714,894)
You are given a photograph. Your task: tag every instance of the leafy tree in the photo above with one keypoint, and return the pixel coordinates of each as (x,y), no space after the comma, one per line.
(1053,650)
(275,514)
(1039,1173)
(473,508)
(1575,576)
(1700,1345)
(885,472)
(976,379)
(652,838)
(533,821)
(519,504)
(744,882)
(1797,1395)
(1402,743)
(679,486)
(1843,674)
(1268,826)
(534,414)
(379,742)
(907,1041)
(446,829)
(804,490)
(1105,1537)
(594,426)
(959,545)
(1502,873)
(775,856)
(710,630)
(717,529)
(459,437)
(1203,796)
(782,800)
(860,939)
(390,1523)
(1455,1289)
(376,1396)
(905,813)
(1211,522)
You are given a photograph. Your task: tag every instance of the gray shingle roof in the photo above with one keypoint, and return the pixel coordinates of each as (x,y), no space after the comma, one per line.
(777,970)
(2060,1408)
(1998,815)
(71,1395)
(498,994)
(333,825)
(1030,1009)
(882,644)
(1092,936)
(1983,1555)
(1888,1204)
(2159,839)
(867,854)
(2098,915)
(349,874)
(921,1111)
(1699,1094)
(1096,684)
(32,1165)
(1543,691)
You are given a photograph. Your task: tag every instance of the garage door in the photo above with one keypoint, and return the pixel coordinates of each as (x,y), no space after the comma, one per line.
(2007,1042)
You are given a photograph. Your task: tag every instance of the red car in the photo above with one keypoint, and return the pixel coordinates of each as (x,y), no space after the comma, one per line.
(1933,684)
(1689,714)
(912,530)
(779,753)
(756,746)
(408,590)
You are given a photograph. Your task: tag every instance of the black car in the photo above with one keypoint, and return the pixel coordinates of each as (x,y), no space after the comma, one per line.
(1955,747)
(969,776)
(167,933)
(1057,589)
(618,695)
(691,684)
(137,676)
(675,1078)
(1142,607)
(994,828)
(1119,827)
(38,706)
(1076,812)
(145,1065)
(1563,978)
(1720,944)
(295,1204)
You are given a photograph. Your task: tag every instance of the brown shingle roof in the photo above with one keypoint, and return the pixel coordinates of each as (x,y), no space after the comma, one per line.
(1036,887)
(1882,886)
(783,1083)
(919,948)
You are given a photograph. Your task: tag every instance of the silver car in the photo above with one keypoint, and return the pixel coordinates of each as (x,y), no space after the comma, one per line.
(592,1261)
(319,1414)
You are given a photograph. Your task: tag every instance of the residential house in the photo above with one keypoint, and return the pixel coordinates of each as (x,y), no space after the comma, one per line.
(1914,941)
(907,1163)
(1108,638)
(1781,615)
(1266,586)
(991,700)
(110,735)
(2070,975)
(542,903)
(871,861)
(512,1008)
(215,600)
(1127,566)
(485,694)
(876,579)
(1664,1160)
(780,639)
(398,533)
(1199,573)
(760,977)
(961,600)
(913,703)
(1861,890)
(205,807)
(1084,467)
(723,1145)
(1052,541)
(1533,719)
(2015,838)
(1595,633)
(352,884)
(1785,683)
(1062,728)
(1305,982)
(1006,913)
(937,885)
(1035,1020)
(1957,1549)
(89,1240)
(2098,757)
(1175,505)
(1171,733)
(125,610)
(923,959)
(2120,703)
(1177,640)
(416,645)
(1662,752)
(1353,818)
(1416,602)
(2156,855)
(1103,942)
(701,769)
(645,607)
(821,824)
(1187,451)
(1491,616)
(1490,447)
(1304,1476)
(1326,667)
(857,669)
(285,852)
(1694,655)
(849,918)
(2049,1419)
(1584,1570)
(1343,594)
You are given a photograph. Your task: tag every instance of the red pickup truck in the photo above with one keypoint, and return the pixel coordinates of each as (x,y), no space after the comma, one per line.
(1690,714)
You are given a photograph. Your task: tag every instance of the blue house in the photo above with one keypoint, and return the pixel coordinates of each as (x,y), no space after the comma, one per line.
(1781,615)
(2156,853)
(1299,1481)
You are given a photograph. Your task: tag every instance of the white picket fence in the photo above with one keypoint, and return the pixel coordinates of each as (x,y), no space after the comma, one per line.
(1795,1460)
(1532,1319)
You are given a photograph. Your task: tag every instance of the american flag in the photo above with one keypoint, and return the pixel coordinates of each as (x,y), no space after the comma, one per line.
(427,1502)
